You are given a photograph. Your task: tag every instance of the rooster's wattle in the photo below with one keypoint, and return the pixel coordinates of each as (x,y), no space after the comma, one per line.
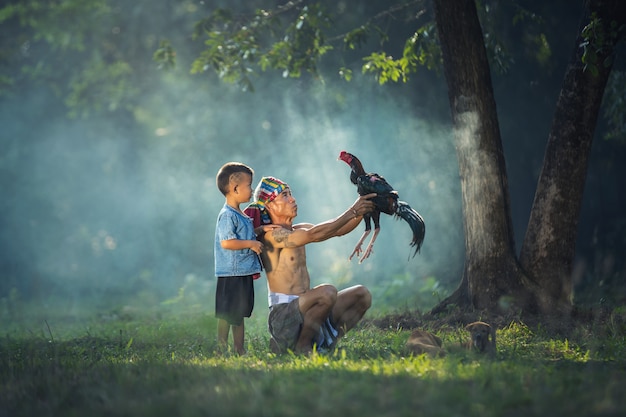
(386,201)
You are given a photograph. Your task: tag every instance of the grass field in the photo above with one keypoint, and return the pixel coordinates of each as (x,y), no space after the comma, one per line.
(161,362)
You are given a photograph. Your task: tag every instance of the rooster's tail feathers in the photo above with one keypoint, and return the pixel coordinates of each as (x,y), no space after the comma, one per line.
(416,222)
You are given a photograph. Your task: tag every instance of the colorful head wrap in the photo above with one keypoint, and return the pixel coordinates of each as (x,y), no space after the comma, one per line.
(267,190)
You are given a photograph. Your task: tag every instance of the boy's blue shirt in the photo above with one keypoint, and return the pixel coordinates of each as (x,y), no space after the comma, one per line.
(228,263)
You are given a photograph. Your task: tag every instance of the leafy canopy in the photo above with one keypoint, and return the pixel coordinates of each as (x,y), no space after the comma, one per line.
(294,38)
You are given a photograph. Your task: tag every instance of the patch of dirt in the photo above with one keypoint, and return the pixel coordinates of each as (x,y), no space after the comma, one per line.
(458,318)
(415,319)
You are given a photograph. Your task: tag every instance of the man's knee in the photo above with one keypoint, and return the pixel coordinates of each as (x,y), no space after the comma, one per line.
(356,296)
(364,297)
(322,296)
(327,294)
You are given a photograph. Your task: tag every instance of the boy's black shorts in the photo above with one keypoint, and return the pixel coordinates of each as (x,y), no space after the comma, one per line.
(234,299)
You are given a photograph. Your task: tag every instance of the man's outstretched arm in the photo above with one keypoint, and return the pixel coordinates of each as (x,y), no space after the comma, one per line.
(346,222)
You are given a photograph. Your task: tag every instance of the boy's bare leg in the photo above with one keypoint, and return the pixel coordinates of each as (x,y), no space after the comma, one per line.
(315,306)
(222,334)
(238,338)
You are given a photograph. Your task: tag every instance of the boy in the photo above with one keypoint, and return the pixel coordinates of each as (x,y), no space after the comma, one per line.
(237,251)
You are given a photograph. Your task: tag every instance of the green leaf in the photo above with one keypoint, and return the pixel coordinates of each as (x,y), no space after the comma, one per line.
(165,55)
(345,73)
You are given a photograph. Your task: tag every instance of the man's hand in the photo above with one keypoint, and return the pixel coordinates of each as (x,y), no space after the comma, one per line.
(363,205)
(265,228)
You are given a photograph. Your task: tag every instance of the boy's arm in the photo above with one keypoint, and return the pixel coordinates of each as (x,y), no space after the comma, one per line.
(237,244)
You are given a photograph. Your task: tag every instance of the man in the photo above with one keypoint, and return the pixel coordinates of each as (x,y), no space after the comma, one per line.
(302,317)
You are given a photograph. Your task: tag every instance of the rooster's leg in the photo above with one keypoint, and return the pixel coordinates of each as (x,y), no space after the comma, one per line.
(357,249)
(370,246)
(368,228)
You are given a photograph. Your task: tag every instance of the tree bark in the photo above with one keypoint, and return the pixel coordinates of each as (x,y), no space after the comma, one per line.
(548,248)
(491,269)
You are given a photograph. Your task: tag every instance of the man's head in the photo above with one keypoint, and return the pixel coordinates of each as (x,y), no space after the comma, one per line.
(268,189)
(231,174)
(266,192)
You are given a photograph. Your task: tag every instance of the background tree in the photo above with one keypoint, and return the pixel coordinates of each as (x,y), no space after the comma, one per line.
(548,250)
(491,271)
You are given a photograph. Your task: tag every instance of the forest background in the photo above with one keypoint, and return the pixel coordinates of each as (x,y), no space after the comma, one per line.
(109,162)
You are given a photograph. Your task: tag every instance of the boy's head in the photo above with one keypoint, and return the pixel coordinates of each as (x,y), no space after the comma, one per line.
(232,173)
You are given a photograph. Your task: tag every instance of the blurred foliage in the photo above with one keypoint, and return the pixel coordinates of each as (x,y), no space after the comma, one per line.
(165,55)
(45,21)
(233,46)
(236,45)
(391,294)
(92,54)
(421,49)
(597,37)
(101,87)
(43,40)
(293,37)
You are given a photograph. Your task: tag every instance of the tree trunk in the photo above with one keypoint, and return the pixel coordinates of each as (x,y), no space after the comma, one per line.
(548,249)
(491,269)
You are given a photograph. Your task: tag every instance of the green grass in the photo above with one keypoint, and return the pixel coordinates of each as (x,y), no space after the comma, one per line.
(162,362)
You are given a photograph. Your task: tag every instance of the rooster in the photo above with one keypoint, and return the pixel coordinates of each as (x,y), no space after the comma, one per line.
(386,201)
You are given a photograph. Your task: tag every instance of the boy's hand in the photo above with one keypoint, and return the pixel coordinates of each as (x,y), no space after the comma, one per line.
(256,246)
